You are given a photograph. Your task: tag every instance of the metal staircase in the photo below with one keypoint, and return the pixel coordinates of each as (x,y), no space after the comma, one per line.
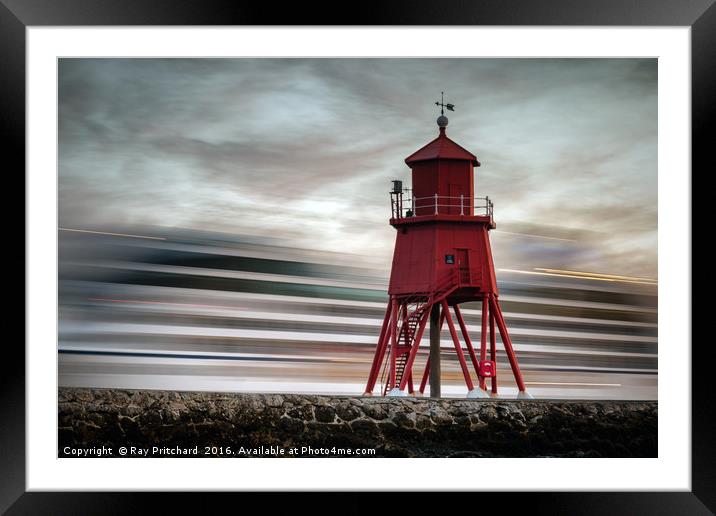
(413,309)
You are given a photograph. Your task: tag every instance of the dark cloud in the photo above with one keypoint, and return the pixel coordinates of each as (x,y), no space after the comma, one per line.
(300,147)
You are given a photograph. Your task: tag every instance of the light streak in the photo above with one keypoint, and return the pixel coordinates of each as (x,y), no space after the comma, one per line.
(534,236)
(165,303)
(110,234)
(576,384)
(598,275)
(584,275)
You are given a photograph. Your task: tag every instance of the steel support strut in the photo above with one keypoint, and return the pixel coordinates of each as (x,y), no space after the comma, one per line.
(483,336)
(393,344)
(495,308)
(379,352)
(424,381)
(426,372)
(458,346)
(435,352)
(407,374)
(493,353)
(466,337)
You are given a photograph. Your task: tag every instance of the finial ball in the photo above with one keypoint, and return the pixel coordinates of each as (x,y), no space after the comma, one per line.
(442,121)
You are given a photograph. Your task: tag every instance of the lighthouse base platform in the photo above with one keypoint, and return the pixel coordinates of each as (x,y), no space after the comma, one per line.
(393,427)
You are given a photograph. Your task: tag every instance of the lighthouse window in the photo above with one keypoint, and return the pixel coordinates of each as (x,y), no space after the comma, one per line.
(450,258)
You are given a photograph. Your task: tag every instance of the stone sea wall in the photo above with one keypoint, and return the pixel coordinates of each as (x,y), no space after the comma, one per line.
(220,424)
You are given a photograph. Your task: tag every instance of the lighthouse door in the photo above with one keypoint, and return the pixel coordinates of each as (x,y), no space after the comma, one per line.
(463,264)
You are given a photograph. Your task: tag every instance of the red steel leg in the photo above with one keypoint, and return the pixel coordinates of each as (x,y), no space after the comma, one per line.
(483,337)
(393,344)
(458,347)
(507,342)
(405,325)
(426,373)
(414,348)
(493,352)
(466,337)
(379,352)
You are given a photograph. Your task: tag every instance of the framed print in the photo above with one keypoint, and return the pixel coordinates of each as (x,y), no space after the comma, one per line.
(453,245)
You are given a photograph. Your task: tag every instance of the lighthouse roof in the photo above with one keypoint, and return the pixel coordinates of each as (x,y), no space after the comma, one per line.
(442,147)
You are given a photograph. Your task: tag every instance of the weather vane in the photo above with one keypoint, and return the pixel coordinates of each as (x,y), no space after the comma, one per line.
(443,105)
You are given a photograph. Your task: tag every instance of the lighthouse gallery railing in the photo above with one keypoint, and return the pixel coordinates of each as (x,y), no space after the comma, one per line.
(438,204)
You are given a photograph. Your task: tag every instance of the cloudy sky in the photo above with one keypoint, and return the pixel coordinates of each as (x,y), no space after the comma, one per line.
(304,149)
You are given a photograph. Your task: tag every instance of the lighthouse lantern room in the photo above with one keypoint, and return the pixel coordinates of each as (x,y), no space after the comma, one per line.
(442,259)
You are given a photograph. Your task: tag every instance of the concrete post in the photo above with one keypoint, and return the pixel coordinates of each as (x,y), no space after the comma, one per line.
(435,351)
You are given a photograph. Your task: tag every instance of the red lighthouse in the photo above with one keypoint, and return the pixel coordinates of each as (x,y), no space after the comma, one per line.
(442,258)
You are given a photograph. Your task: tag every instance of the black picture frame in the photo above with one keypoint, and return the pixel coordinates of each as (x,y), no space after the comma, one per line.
(16,15)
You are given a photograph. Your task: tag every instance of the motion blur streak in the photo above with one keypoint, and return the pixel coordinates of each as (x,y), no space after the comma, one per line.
(613,277)
(198,311)
(585,275)
(111,234)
